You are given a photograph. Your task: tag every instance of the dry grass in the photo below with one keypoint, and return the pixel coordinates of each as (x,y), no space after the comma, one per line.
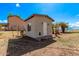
(67,44)
(4,37)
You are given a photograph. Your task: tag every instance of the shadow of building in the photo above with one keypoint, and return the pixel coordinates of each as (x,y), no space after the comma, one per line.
(18,47)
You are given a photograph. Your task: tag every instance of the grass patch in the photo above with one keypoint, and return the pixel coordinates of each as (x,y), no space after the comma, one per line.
(69,42)
(71,32)
(1,33)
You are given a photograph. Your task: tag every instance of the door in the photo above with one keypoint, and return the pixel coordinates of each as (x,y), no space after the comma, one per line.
(44,28)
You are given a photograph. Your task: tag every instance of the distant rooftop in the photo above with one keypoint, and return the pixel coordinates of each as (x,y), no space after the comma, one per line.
(31,16)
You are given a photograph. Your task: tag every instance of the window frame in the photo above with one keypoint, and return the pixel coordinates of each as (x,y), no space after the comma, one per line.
(29,27)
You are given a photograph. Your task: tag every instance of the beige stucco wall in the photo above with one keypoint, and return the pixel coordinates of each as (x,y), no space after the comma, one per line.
(37,26)
(32,32)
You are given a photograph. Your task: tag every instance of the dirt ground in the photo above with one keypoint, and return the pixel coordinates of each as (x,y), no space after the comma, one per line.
(11,45)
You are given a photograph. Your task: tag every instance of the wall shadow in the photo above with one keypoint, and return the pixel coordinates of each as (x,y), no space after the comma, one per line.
(18,47)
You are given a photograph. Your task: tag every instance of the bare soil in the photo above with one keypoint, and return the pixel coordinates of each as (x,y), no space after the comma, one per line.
(12,45)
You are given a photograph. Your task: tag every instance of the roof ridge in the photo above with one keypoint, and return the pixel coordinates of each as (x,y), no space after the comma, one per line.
(38,15)
(16,16)
(31,16)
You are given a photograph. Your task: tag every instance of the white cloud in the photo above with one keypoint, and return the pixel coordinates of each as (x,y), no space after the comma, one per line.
(3,21)
(77,15)
(17,5)
(76,24)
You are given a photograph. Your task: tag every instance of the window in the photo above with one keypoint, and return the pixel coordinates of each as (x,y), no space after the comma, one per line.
(29,27)
(39,33)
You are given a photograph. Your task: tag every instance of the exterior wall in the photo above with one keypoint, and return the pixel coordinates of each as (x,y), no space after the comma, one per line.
(32,32)
(37,26)
(15,23)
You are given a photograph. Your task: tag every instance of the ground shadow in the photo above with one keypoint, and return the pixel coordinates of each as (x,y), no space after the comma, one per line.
(17,47)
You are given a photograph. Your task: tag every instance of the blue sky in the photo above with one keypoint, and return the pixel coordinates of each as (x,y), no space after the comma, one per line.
(60,12)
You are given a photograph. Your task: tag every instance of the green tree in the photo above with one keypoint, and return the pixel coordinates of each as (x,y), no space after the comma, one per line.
(10,14)
(63,26)
(54,27)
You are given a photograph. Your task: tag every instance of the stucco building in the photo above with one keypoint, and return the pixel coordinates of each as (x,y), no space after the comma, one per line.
(37,26)
(15,23)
